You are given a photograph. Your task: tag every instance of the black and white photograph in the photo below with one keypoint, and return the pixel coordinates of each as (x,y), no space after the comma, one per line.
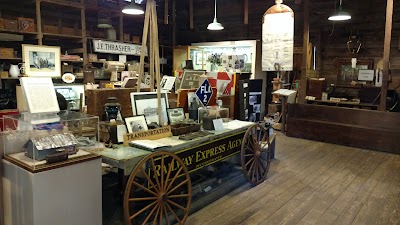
(146,104)
(136,123)
(41,60)
(253,99)
(256,108)
(192,98)
(175,115)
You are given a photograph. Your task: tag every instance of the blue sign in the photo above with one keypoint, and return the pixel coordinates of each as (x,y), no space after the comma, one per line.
(204,92)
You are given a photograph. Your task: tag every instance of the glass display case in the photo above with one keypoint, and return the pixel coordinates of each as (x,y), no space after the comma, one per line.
(39,141)
(208,114)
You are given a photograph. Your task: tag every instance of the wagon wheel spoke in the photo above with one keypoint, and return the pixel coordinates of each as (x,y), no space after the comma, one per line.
(250,160)
(179,196)
(162,173)
(173,213)
(143,199)
(149,180)
(247,147)
(177,205)
(156,216)
(173,179)
(155,172)
(168,174)
(161,214)
(166,214)
(251,167)
(177,186)
(142,210)
(144,188)
(247,155)
(151,213)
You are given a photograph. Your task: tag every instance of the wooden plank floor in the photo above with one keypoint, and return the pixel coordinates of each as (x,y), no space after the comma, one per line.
(314,183)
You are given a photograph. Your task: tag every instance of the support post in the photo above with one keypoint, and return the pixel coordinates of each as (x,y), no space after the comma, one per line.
(306,40)
(386,54)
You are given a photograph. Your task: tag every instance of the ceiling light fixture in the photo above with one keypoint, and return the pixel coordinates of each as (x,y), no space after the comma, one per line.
(215,25)
(133,9)
(340,15)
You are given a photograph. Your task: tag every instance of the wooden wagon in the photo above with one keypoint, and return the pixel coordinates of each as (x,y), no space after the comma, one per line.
(159,188)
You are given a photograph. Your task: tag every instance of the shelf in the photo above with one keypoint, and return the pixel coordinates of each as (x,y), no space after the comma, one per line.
(64,3)
(354,87)
(17,32)
(63,36)
(97,8)
(72,61)
(16,59)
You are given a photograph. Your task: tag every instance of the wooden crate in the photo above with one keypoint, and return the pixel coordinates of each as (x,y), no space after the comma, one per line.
(10,24)
(136,39)
(26,24)
(50,29)
(6,53)
(1,23)
(127,37)
(68,31)
(4,74)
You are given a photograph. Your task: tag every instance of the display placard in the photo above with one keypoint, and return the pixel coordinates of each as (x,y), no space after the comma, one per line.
(277,41)
(117,48)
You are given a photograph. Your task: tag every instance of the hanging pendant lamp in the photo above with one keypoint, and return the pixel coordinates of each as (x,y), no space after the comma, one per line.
(340,15)
(133,9)
(215,25)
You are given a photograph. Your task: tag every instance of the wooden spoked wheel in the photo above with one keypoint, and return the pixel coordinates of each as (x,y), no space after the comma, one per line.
(255,154)
(158,191)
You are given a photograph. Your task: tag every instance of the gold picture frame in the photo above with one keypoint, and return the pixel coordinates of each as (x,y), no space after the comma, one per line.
(41,61)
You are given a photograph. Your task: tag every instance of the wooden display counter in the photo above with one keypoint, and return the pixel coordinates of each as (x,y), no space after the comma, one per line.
(361,128)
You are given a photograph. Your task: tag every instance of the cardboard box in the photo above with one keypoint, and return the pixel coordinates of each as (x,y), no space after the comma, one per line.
(4,74)
(136,39)
(50,29)
(6,53)
(127,37)
(26,24)
(10,24)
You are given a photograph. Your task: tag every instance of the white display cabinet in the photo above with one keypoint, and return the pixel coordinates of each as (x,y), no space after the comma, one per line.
(40,187)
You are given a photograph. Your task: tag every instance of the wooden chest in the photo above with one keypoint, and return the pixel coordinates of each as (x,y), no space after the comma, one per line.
(50,29)
(315,88)
(95,100)
(26,24)
(6,53)
(10,24)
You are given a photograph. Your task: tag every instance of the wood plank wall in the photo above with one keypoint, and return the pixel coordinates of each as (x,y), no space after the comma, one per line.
(368,17)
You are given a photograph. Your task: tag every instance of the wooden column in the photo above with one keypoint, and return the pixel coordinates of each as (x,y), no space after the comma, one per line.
(83,33)
(166,12)
(173,23)
(191,14)
(39,23)
(246,12)
(386,53)
(121,21)
(306,40)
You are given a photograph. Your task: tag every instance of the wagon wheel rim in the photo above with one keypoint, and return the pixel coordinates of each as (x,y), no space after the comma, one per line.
(154,199)
(255,154)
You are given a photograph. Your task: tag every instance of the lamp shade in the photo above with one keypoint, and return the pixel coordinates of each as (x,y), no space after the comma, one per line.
(215,25)
(340,14)
(133,9)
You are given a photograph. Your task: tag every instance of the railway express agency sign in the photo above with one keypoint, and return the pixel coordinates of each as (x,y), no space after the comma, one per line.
(205,154)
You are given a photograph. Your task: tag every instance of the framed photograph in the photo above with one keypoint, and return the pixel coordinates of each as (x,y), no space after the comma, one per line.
(190,79)
(136,123)
(41,61)
(199,58)
(175,115)
(346,73)
(146,103)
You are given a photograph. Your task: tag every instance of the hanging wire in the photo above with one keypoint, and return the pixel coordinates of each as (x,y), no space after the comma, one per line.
(333,26)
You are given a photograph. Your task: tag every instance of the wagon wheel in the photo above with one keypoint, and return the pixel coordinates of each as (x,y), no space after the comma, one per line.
(255,154)
(162,199)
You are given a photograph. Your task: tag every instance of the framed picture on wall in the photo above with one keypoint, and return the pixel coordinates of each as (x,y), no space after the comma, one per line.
(41,61)
(345,71)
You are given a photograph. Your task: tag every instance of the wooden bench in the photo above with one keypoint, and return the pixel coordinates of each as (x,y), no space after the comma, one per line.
(368,129)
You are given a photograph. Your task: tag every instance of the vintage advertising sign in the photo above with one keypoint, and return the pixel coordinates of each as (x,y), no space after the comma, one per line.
(204,92)
(277,41)
(117,48)
(203,155)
